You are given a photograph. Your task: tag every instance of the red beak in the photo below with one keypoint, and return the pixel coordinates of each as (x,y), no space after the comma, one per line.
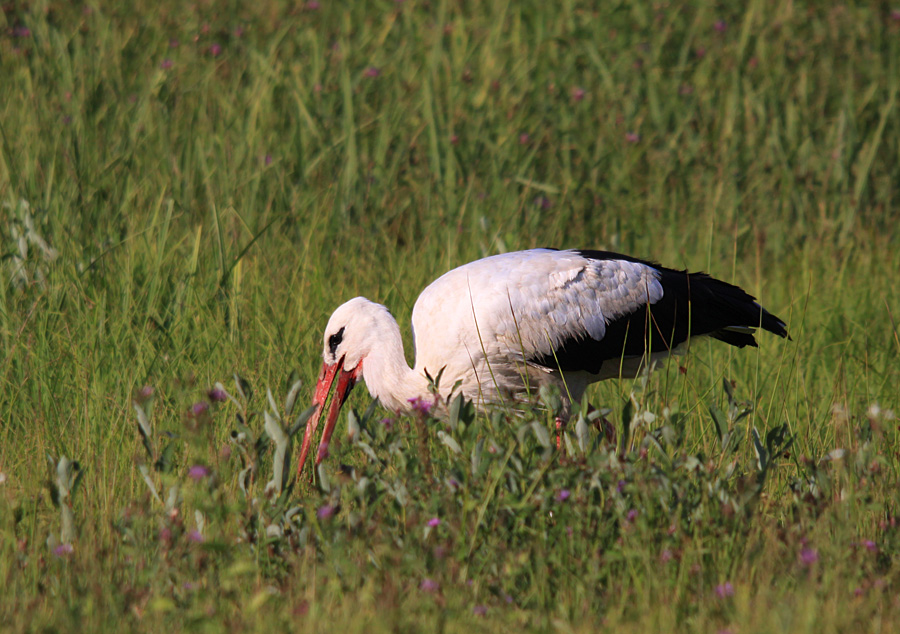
(346,379)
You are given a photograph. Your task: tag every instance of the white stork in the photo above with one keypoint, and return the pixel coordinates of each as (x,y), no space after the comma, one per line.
(504,325)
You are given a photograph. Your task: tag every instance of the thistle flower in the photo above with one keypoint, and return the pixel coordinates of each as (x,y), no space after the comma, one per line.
(421,405)
(429,585)
(325,512)
(198,472)
(809,556)
(63,550)
(725,590)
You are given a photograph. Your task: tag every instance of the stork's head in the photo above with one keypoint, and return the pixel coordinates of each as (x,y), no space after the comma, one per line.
(347,341)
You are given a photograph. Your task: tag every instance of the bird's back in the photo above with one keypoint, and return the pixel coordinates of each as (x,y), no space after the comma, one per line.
(489,323)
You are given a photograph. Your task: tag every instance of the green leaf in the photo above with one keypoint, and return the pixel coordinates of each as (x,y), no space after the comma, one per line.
(272,404)
(477,452)
(145,473)
(352,426)
(301,420)
(721,424)
(291,398)
(243,387)
(144,429)
(367,449)
(762,455)
(449,442)
(582,434)
(165,463)
(542,435)
(324,483)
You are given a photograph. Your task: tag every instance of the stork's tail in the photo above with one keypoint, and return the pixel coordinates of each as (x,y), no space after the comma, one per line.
(729,313)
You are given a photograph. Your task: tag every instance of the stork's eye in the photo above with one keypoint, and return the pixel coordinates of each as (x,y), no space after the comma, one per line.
(335,340)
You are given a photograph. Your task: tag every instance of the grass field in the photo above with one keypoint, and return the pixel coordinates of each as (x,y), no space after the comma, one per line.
(188,191)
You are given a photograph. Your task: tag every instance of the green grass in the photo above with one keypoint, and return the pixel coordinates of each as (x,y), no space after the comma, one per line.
(210,181)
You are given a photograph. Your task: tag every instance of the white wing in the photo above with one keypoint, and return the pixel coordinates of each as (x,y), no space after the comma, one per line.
(525,305)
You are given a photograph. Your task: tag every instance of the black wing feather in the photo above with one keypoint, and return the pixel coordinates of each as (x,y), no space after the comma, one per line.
(693,304)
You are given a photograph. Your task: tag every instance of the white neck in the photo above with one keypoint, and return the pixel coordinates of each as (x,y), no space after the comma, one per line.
(386,373)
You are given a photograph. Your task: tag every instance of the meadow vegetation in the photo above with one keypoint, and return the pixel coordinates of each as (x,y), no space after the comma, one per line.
(189,189)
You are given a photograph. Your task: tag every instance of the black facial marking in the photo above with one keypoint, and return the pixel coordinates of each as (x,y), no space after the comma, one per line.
(335,340)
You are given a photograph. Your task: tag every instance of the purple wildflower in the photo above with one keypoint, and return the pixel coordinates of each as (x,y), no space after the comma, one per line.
(196,537)
(63,550)
(870,545)
(631,515)
(21,31)
(809,556)
(187,585)
(421,405)
(858,592)
(267,159)
(434,521)
(216,395)
(165,535)
(895,15)
(620,487)
(632,137)
(146,391)
(665,556)
(215,49)
(166,64)
(524,138)
(372,71)
(429,585)
(325,512)
(479,610)
(563,495)
(199,408)
(721,26)
(312,5)
(578,94)
(198,472)
(543,202)
(725,590)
